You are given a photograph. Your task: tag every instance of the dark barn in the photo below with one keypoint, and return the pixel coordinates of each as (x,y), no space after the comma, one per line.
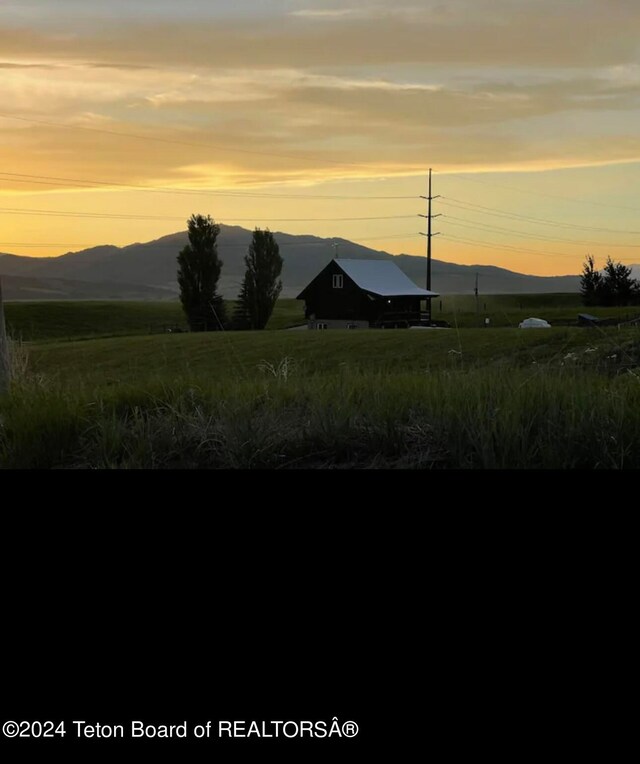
(351,294)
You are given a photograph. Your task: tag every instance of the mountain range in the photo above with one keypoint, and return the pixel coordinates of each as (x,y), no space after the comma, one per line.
(148,270)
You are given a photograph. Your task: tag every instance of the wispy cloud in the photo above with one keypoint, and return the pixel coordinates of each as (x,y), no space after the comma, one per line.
(542,34)
(125,66)
(352,93)
(389,84)
(9,65)
(326,13)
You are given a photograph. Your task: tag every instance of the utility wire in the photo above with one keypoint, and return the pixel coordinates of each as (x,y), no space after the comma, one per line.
(482,226)
(123,216)
(523,250)
(459,176)
(470,207)
(48,180)
(222,244)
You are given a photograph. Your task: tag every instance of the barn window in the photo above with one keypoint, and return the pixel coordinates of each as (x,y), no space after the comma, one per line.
(337,281)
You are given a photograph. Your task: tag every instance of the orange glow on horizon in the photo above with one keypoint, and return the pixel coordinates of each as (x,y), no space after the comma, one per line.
(119,123)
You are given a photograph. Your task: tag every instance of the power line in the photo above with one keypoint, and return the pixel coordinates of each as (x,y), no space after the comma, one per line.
(522,250)
(123,216)
(297,157)
(330,220)
(541,237)
(29,244)
(223,244)
(542,193)
(47,180)
(101,215)
(470,207)
(39,244)
(327,242)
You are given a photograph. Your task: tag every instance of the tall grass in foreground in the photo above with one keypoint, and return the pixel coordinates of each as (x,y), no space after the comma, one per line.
(483,418)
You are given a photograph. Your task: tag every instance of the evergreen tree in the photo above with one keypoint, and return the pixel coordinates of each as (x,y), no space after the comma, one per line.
(614,286)
(619,287)
(261,284)
(590,282)
(198,273)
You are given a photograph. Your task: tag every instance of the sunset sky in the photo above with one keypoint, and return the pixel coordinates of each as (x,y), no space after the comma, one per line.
(122,118)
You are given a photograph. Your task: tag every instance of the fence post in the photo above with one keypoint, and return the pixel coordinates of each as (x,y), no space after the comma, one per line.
(5,367)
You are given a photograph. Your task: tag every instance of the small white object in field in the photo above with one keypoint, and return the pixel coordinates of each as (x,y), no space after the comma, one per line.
(534,323)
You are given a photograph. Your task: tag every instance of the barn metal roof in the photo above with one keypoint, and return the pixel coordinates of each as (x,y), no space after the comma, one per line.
(381,277)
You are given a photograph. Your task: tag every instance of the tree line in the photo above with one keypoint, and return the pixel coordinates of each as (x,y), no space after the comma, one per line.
(199,268)
(611,286)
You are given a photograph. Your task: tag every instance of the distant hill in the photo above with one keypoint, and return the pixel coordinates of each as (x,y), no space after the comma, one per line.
(150,269)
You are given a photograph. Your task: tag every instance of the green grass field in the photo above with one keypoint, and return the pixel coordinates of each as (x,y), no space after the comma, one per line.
(217,356)
(66,320)
(564,397)
(53,320)
(77,320)
(510,310)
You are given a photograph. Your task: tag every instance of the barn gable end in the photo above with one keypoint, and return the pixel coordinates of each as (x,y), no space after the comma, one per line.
(363,293)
